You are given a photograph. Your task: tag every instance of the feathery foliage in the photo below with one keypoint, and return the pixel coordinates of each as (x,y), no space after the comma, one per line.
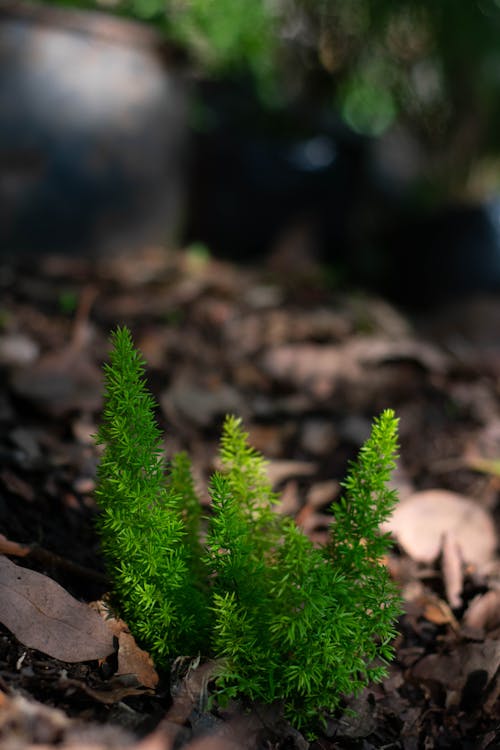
(144,538)
(287,621)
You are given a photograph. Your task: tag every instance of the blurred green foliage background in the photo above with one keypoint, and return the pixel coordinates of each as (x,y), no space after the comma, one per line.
(431,67)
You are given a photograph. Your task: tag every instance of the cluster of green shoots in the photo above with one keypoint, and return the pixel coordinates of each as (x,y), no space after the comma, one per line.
(286,620)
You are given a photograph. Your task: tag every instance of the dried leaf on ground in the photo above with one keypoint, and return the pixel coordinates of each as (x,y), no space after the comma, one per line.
(319,436)
(436,610)
(60,382)
(42,615)
(8,547)
(289,503)
(17,486)
(321,494)
(310,520)
(247,334)
(451,565)
(109,692)
(375,350)
(201,405)
(484,611)
(17,350)
(247,727)
(455,672)
(191,691)
(277,471)
(269,440)
(307,363)
(132,660)
(362,722)
(216,742)
(420,522)
(27,724)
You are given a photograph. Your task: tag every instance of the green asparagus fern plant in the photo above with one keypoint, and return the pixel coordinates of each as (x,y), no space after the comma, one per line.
(286,620)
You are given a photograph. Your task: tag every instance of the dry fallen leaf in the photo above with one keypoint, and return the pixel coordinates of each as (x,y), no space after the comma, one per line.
(17,486)
(24,721)
(322,494)
(360,719)
(318,436)
(452,568)
(289,503)
(306,363)
(8,547)
(26,724)
(455,669)
(437,611)
(483,611)
(60,382)
(216,742)
(420,522)
(201,405)
(245,728)
(310,520)
(191,691)
(42,615)
(110,692)
(279,470)
(132,660)
(18,350)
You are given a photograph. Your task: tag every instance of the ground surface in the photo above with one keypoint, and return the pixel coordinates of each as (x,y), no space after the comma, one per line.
(307,369)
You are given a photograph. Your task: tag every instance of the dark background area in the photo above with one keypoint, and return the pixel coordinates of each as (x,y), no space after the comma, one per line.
(363,138)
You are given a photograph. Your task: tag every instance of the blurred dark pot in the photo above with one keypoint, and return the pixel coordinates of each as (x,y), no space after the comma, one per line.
(92,132)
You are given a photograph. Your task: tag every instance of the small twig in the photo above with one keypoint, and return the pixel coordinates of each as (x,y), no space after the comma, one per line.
(79,336)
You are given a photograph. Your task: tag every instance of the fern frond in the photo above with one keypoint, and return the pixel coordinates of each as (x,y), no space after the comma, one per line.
(287,621)
(143,533)
(367,500)
(246,472)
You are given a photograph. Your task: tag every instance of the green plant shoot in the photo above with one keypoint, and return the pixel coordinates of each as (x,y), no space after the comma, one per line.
(286,620)
(148,551)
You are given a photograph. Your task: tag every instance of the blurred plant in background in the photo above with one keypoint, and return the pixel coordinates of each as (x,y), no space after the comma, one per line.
(363,134)
(432,68)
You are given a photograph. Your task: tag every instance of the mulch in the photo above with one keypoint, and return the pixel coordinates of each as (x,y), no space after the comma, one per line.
(307,366)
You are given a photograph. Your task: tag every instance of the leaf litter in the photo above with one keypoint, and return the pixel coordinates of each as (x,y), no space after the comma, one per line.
(309,368)
(42,615)
(421,522)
